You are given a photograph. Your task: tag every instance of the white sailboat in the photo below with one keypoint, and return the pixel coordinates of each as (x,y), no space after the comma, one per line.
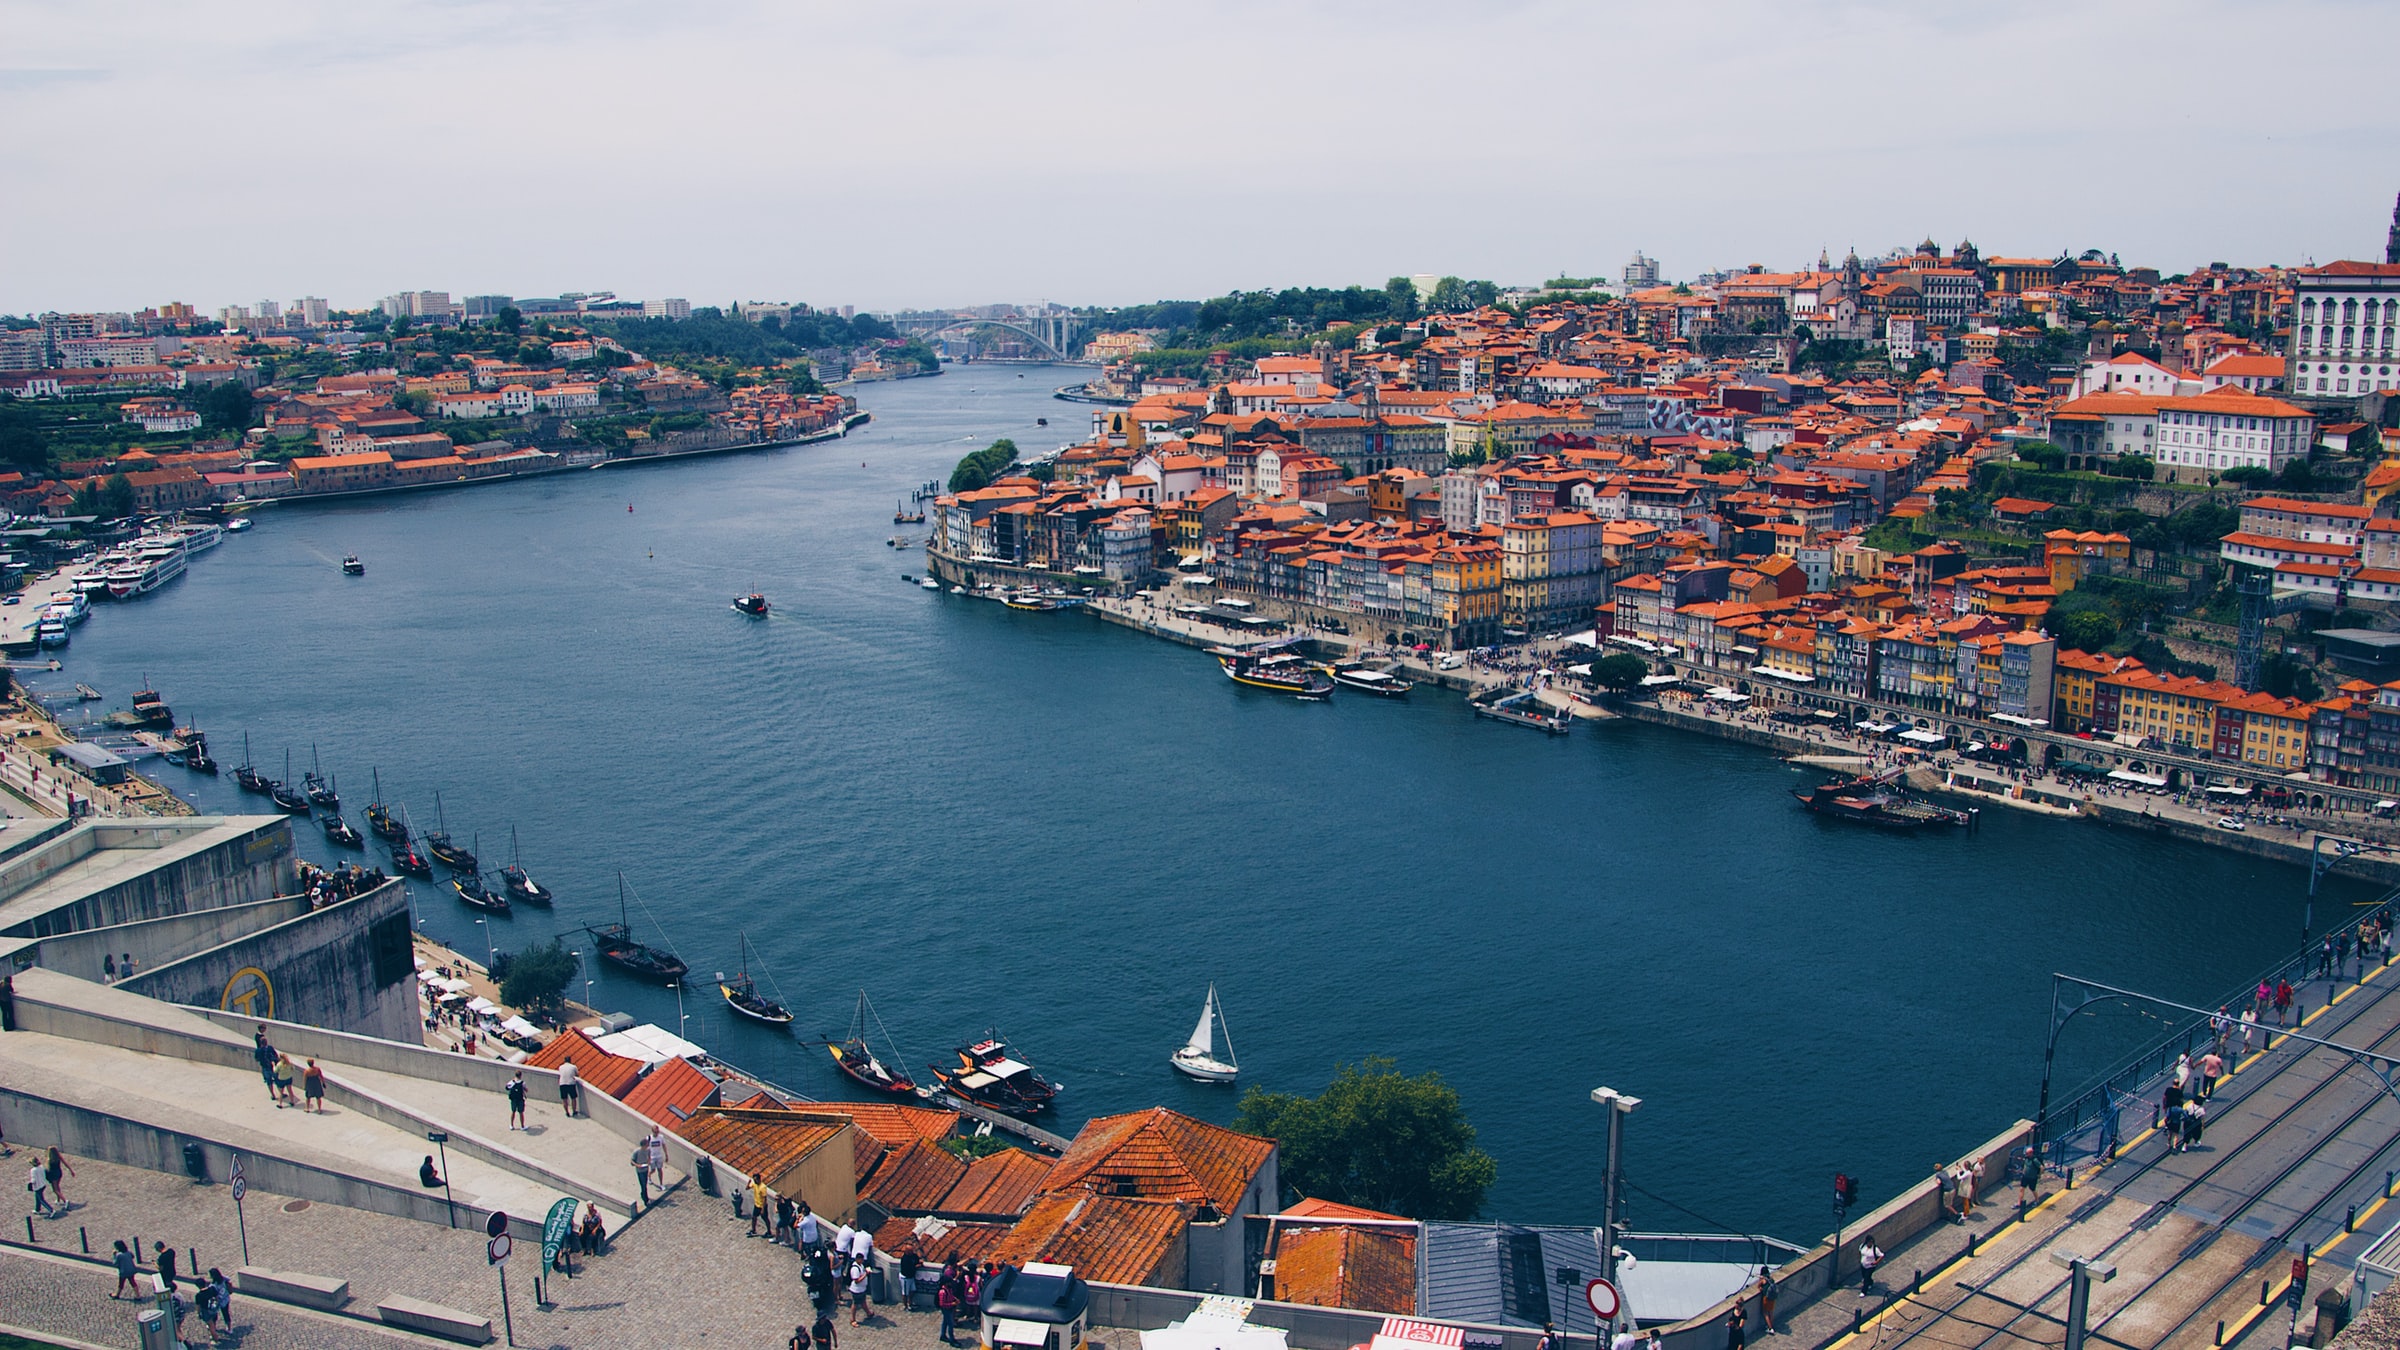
(1198,1057)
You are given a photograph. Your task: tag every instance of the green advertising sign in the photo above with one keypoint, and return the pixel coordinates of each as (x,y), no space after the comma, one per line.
(555,1231)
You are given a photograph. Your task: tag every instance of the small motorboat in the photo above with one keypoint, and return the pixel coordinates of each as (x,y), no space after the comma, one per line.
(1367,680)
(238,524)
(340,831)
(352,567)
(1198,1056)
(754,605)
(519,883)
(990,1074)
(741,994)
(852,1057)
(930,584)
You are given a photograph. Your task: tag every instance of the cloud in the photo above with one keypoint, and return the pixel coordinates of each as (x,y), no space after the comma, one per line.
(15,78)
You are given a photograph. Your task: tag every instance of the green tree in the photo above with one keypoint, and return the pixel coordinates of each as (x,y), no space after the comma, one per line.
(21,442)
(1725,461)
(1449,295)
(116,497)
(2087,630)
(227,406)
(535,979)
(1400,300)
(1620,671)
(509,320)
(1377,1139)
(980,468)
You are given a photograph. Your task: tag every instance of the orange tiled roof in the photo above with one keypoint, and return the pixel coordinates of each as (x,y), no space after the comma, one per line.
(1343,1267)
(1311,1208)
(1111,1239)
(612,1074)
(671,1093)
(1165,1155)
(913,1178)
(940,1240)
(759,1143)
(998,1183)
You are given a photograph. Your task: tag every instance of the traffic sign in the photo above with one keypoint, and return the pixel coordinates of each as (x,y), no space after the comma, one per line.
(241,1180)
(496,1225)
(498,1249)
(1604,1298)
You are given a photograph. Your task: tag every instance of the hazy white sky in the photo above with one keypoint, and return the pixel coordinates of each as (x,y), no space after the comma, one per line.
(931,153)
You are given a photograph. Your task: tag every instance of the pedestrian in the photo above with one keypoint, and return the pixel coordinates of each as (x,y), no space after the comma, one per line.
(945,1300)
(312,1087)
(37,1184)
(822,1329)
(2195,1119)
(1946,1180)
(2249,1025)
(2283,1000)
(758,1204)
(2341,953)
(808,1229)
(1869,1257)
(2219,1026)
(594,1233)
(641,1169)
(1548,1340)
(858,1290)
(56,1171)
(570,1089)
(910,1264)
(264,1053)
(2212,1068)
(657,1144)
(221,1299)
(284,1074)
(2029,1177)
(516,1100)
(2183,1071)
(1766,1301)
(787,1225)
(166,1269)
(1974,1185)
(799,1339)
(1734,1340)
(127,1268)
(862,1244)
(2266,996)
(108,967)
(841,1242)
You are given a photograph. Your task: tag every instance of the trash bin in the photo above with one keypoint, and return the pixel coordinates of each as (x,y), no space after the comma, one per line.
(195,1161)
(156,1334)
(706,1171)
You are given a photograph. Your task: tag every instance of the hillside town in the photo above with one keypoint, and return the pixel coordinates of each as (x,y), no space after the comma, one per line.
(1970,487)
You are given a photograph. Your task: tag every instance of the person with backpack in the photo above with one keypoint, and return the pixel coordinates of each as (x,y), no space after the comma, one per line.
(127,1268)
(516,1099)
(641,1169)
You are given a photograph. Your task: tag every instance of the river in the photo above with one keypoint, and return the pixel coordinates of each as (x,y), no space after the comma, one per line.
(1061,828)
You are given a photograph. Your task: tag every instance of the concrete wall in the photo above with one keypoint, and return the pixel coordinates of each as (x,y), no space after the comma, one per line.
(347,967)
(154,942)
(255,866)
(1892,1223)
(95,1134)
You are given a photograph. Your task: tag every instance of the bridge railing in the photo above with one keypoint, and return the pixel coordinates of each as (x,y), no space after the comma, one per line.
(2093,1124)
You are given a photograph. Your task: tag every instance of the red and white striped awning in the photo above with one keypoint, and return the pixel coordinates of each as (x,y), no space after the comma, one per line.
(1407,1333)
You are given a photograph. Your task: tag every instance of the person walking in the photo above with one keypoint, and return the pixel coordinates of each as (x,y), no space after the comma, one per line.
(945,1301)
(822,1329)
(56,1170)
(127,1268)
(37,1184)
(2250,1024)
(799,1340)
(220,1303)
(166,1269)
(2283,1000)
(2219,1027)
(758,1204)
(858,1290)
(657,1145)
(1548,1340)
(516,1101)
(264,1053)
(1974,1186)
(787,1223)
(2195,1119)
(312,1087)
(2212,1068)
(641,1169)
(285,1072)
(570,1089)
(806,1239)
(1766,1301)
(2029,1177)
(1869,1257)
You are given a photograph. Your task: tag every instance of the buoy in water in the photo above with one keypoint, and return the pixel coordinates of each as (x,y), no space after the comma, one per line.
(629,508)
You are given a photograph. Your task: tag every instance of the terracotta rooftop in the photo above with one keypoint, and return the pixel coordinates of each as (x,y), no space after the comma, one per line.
(892,1123)
(759,1143)
(1164,1155)
(1312,1208)
(999,1183)
(1344,1267)
(612,1074)
(671,1093)
(913,1178)
(940,1240)
(1111,1239)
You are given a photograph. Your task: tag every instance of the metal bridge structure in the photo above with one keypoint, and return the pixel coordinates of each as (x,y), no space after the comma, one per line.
(1057,337)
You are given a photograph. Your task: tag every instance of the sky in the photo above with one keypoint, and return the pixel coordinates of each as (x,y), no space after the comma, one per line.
(935,154)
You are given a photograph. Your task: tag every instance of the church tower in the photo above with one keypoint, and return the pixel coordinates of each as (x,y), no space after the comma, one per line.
(2391,242)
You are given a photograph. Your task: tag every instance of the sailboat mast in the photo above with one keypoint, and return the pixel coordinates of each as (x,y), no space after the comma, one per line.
(1218,1009)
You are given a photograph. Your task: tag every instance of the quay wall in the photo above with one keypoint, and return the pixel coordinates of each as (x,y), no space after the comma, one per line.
(1825,1267)
(257,866)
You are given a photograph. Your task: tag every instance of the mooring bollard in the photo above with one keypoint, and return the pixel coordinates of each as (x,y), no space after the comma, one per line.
(29,1237)
(2262,1293)
(2220,1332)
(85,1238)
(2350,1220)
(1858,1320)
(1972,1240)
(1917,1284)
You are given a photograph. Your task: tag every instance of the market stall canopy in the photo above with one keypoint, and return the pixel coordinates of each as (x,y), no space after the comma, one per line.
(2141,779)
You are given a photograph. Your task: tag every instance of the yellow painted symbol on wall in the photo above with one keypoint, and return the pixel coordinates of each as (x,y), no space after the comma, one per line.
(247,990)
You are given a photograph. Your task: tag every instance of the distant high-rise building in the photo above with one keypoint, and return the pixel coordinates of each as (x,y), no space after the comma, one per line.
(418,305)
(485,306)
(1641,272)
(667,309)
(23,349)
(312,311)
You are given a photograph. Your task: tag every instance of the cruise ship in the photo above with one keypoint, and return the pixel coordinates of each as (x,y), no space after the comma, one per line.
(156,561)
(73,607)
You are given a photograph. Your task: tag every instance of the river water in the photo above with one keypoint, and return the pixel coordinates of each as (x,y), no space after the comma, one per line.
(1058,827)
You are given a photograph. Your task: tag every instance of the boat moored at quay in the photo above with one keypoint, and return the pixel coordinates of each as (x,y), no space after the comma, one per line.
(1274,666)
(1874,800)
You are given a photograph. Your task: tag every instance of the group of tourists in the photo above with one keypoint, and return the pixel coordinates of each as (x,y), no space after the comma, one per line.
(212,1298)
(331,886)
(280,1074)
(45,1178)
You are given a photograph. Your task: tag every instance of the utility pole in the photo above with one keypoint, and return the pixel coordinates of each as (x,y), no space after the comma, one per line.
(1611,1218)
(2080,1271)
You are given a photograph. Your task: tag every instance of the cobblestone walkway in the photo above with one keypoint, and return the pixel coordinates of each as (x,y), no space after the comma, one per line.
(682,1274)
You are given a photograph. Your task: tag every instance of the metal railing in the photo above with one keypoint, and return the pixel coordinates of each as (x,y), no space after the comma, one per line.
(2089,1126)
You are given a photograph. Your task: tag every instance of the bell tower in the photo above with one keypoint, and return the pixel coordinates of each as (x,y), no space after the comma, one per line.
(2391,242)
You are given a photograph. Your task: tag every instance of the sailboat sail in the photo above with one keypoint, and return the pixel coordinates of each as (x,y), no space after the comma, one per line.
(1204,1036)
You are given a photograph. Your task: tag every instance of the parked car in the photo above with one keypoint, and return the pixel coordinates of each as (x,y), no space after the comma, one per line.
(2231,823)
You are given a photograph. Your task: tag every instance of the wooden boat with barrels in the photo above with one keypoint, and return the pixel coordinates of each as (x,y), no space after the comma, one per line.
(853,1057)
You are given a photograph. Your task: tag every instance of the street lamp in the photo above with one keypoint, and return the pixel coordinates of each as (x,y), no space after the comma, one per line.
(2080,1270)
(490,952)
(681,1016)
(2319,865)
(1619,1106)
(587,983)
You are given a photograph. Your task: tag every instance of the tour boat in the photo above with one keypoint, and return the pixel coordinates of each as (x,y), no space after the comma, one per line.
(379,817)
(1381,683)
(246,775)
(519,883)
(153,565)
(280,791)
(1874,801)
(340,831)
(195,751)
(471,889)
(50,631)
(238,524)
(150,710)
(741,994)
(1198,1057)
(74,607)
(320,790)
(437,842)
(618,948)
(851,1055)
(930,584)
(1273,666)
(754,604)
(989,1073)
(352,567)
(202,537)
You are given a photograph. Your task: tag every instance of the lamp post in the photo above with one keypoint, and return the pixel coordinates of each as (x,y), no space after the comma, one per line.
(1619,1106)
(2080,1271)
(680,1015)
(490,952)
(2319,865)
(587,984)
(441,1140)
